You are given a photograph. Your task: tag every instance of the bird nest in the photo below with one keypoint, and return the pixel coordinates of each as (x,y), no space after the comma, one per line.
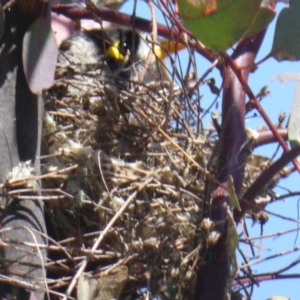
(123,184)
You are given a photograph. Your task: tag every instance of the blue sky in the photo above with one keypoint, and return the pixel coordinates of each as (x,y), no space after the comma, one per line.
(280,100)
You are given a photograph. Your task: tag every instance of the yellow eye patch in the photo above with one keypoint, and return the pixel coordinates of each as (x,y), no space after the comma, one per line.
(113,51)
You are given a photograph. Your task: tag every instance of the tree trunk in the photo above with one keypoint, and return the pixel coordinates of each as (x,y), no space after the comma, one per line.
(20,133)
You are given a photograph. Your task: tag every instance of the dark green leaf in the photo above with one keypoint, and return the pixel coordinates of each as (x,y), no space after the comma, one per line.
(286,44)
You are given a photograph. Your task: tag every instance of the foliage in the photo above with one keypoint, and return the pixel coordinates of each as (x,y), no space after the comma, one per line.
(286,39)
(214,25)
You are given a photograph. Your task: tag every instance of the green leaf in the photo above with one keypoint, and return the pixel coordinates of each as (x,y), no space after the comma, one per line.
(40,53)
(263,18)
(286,43)
(232,241)
(222,28)
(233,200)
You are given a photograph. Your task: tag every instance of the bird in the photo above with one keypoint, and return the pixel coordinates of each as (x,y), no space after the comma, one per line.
(94,69)
(122,54)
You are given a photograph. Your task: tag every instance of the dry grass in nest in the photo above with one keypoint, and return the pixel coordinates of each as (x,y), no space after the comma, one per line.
(130,151)
(123,184)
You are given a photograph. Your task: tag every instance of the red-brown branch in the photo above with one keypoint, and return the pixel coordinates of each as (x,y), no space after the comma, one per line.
(233,154)
(107,14)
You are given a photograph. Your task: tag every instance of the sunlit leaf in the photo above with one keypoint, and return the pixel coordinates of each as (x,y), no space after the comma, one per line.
(233,237)
(232,195)
(294,121)
(222,28)
(263,18)
(287,34)
(40,53)
(232,241)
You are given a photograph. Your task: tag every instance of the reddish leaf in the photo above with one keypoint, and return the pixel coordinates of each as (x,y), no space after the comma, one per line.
(40,53)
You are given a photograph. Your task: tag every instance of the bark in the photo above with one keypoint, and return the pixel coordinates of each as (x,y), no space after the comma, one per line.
(213,279)
(20,132)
